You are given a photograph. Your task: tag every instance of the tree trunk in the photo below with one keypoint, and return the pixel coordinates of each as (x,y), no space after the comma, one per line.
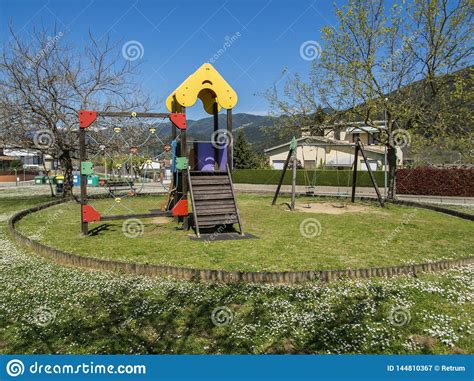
(392,171)
(66,164)
(46,172)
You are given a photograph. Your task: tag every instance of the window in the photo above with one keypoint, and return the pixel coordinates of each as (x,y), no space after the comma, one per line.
(278,164)
(372,165)
(355,137)
(372,139)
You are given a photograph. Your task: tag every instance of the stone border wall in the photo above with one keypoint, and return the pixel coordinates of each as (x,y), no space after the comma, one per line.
(284,277)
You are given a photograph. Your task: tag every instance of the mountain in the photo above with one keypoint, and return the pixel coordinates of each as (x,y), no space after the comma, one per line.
(257,129)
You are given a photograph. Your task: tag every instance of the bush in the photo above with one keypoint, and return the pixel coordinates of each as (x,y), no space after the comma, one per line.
(341,178)
(436,181)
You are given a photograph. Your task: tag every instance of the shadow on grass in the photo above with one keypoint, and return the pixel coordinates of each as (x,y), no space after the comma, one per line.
(98,229)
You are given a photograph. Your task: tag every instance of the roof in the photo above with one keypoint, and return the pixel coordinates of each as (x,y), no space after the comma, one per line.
(20,152)
(322,139)
(362,129)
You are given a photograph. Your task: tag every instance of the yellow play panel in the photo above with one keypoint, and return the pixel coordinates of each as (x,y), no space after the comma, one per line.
(206,84)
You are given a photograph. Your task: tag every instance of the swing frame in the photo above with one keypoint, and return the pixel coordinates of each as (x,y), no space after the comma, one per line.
(358,148)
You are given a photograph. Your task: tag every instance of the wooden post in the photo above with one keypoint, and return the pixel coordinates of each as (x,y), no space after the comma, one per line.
(83,157)
(354,174)
(196,222)
(372,178)
(282,176)
(216,128)
(174,173)
(293,181)
(287,161)
(230,147)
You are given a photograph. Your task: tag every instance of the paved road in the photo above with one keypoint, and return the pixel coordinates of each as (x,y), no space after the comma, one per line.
(9,190)
(346,191)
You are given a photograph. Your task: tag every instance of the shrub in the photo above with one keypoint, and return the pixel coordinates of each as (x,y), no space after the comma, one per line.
(341,178)
(436,181)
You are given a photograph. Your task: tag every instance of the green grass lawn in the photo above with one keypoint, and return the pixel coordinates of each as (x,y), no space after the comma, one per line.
(469,209)
(48,308)
(10,204)
(380,237)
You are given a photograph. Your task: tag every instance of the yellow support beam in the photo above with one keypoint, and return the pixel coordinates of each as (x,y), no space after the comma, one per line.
(206,84)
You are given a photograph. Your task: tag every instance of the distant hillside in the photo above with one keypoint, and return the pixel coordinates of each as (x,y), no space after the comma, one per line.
(255,128)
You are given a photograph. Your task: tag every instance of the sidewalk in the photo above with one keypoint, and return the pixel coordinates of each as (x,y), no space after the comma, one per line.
(9,189)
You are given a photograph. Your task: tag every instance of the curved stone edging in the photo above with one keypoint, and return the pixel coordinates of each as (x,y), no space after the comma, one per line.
(283,277)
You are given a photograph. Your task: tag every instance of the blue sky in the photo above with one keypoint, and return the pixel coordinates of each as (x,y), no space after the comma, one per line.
(178,36)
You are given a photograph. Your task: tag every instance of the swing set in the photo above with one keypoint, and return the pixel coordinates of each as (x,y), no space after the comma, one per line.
(311,183)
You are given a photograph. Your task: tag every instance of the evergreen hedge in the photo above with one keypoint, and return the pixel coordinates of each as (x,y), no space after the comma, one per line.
(342,178)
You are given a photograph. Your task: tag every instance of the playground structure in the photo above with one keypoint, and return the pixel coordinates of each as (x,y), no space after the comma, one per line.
(310,190)
(201,169)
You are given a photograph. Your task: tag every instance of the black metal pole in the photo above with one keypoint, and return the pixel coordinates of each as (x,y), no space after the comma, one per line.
(287,161)
(83,157)
(216,128)
(372,178)
(174,174)
(293,180)
(230,147)
(354,174)
(184,172)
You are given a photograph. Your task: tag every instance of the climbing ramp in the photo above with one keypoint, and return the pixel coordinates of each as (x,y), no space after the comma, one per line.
(213,200)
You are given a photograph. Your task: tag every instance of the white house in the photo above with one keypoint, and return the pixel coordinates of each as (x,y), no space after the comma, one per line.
(334,150)
(31,159)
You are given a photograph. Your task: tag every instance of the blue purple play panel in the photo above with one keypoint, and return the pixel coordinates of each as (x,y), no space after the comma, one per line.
(204,153)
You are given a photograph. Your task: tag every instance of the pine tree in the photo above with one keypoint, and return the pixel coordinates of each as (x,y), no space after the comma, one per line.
(244,157)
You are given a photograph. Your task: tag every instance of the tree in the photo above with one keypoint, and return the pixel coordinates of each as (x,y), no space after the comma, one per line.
(244,157)
(390,64)
(45,81)
(441,113)
(298,110)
